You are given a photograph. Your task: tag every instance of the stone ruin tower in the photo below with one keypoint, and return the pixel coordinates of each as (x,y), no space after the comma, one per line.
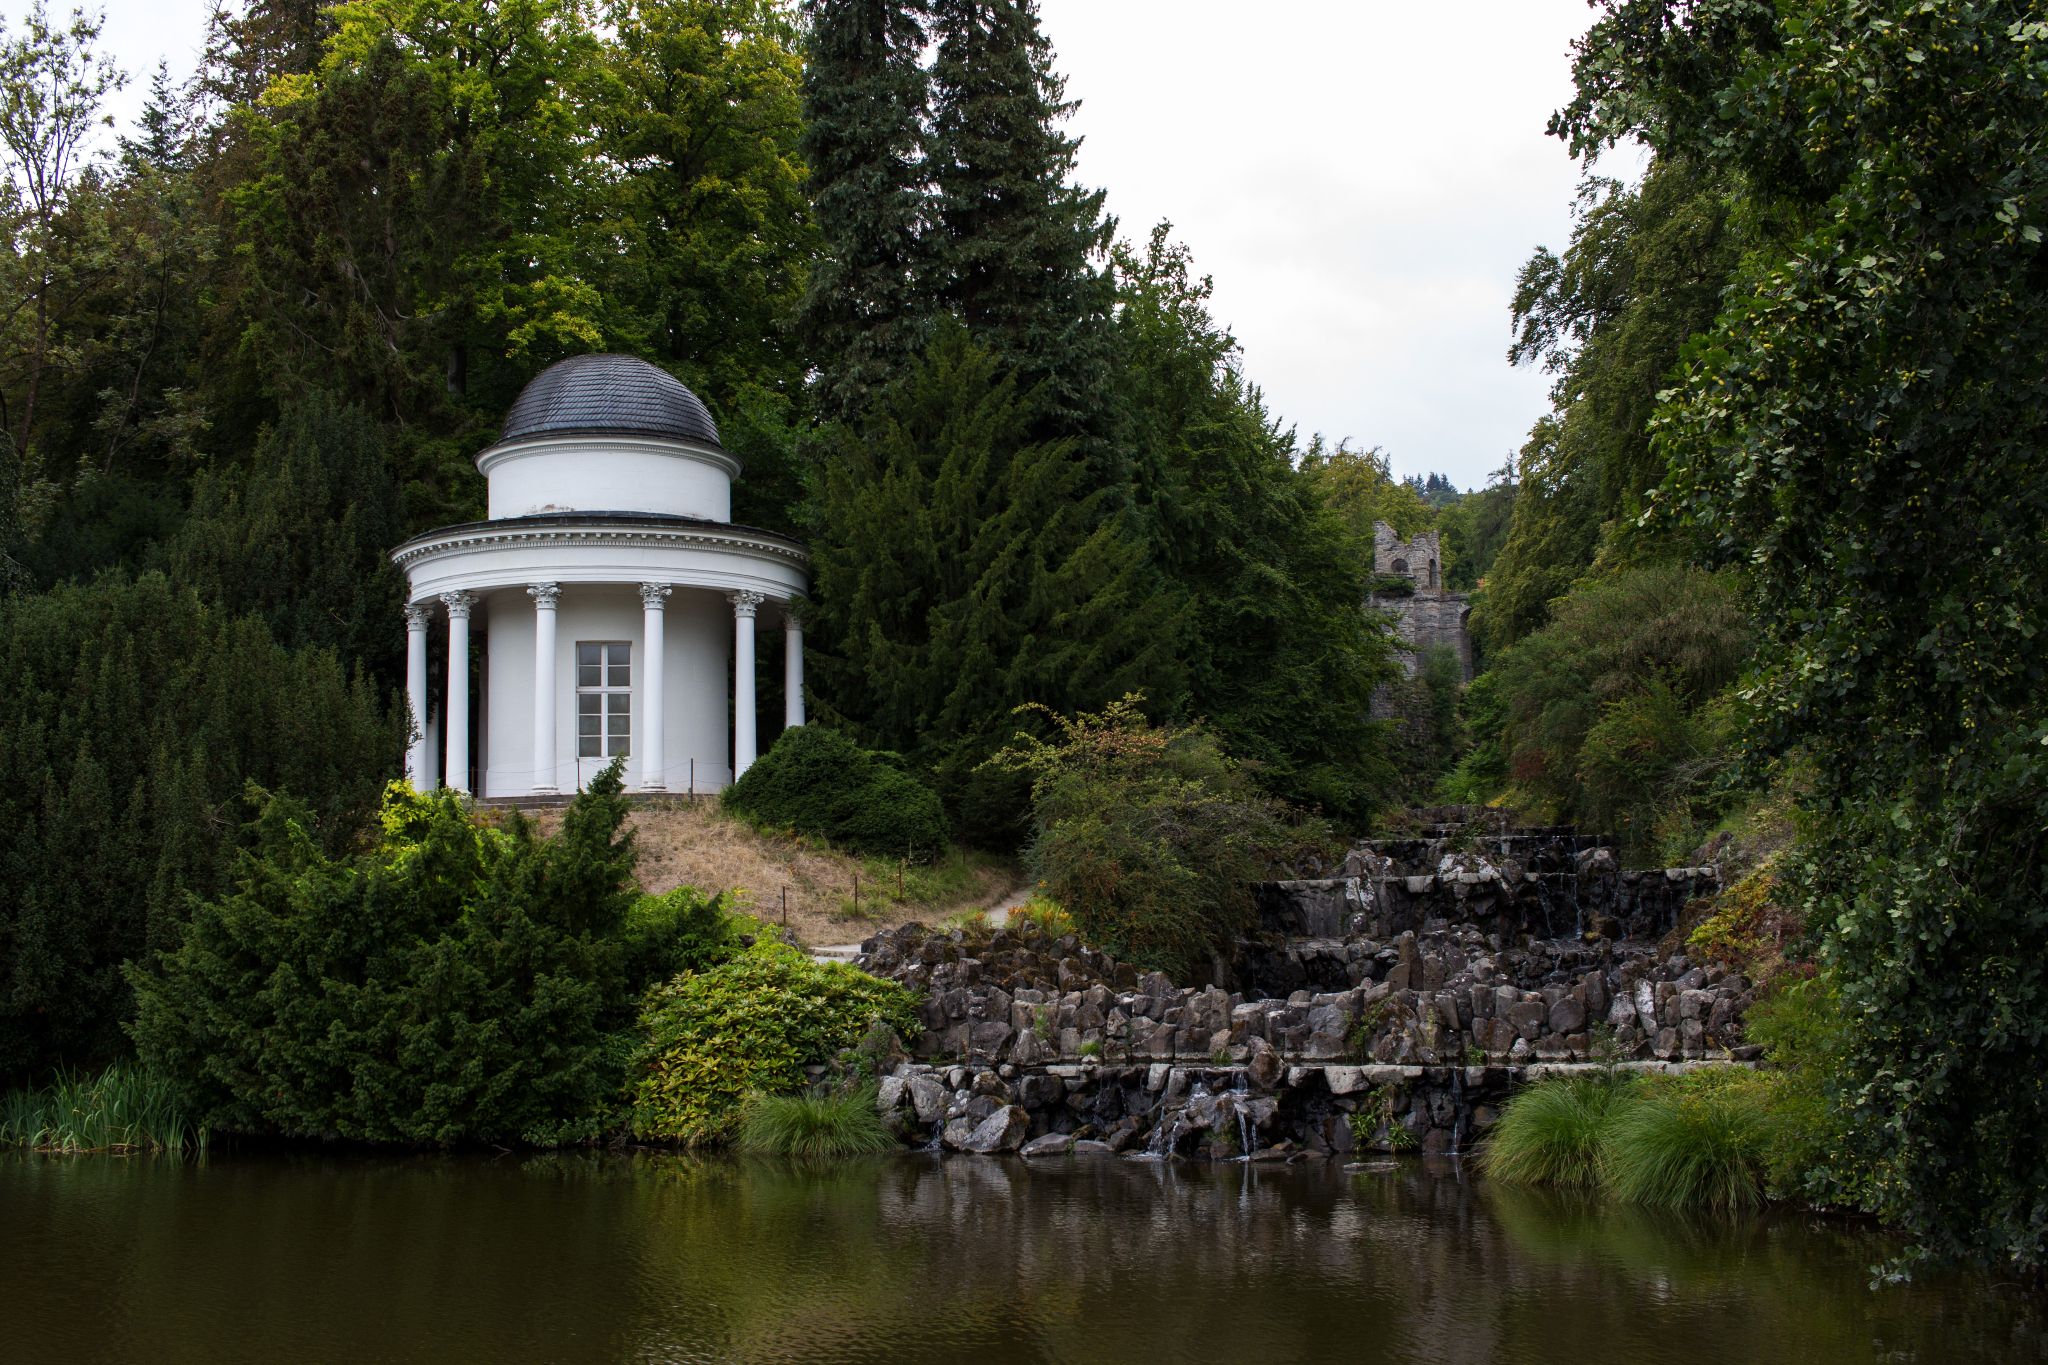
(1431,614)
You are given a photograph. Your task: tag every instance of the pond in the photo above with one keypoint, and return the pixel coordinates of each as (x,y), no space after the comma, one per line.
(911,1258)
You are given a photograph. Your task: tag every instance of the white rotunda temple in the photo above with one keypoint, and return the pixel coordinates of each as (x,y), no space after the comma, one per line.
(610,598)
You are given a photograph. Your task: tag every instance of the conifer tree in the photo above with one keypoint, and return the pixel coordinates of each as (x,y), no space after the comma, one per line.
(300,537)
(1013,241)
(865,99)
(967,569)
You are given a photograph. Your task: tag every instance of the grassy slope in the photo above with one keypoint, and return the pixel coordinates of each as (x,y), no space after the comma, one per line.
(694,842)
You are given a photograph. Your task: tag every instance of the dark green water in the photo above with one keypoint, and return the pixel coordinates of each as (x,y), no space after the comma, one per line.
(912,1259)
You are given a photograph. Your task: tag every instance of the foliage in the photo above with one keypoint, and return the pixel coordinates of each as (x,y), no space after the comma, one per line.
(961,570)
(1281,655)
(137,716)
(818,1124)
(1043,915)
(1750,929)
(301,539)
(1360,487)
(1481,772)
(865,97)
(1475,527)
(714,1039)
(1552,1132)
(1699,1142)
(456,982)
(681,931)
(122,1109)
(1149,835)
(1644,272)
(1013,241)
(816,781)
(1609,713)
(1862,430)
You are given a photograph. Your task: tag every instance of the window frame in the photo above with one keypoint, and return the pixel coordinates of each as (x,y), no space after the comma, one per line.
(614,685)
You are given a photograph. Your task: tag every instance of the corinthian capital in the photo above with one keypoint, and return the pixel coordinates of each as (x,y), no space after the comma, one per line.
(418,616)
(745,603)
(458,604)
(652,595)
(544,595)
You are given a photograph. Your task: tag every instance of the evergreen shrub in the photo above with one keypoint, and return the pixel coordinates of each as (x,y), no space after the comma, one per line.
(715,1039)
(455,982)
(818,782)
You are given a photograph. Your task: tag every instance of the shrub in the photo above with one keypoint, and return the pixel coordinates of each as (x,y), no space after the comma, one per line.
(681,931)
(823,1123)
(1699,1141)
(713,1039)
(1552,1132)
(456,982)
(818,782)
(1150,836)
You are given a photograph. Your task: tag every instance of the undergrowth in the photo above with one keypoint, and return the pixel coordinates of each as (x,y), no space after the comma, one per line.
(120,1110)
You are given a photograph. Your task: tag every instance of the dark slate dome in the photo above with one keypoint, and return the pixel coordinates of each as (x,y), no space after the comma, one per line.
(618,394)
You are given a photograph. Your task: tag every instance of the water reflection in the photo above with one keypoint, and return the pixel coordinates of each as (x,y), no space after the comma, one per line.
(657,1258)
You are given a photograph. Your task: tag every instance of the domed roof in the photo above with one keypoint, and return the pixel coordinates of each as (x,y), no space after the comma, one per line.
(609,393)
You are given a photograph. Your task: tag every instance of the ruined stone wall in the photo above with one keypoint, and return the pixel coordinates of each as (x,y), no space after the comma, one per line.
(1431,615)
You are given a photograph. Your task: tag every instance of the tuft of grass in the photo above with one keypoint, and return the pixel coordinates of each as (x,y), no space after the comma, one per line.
(1553,1133)
(124,1109)
(1699,1143)
(820,1124)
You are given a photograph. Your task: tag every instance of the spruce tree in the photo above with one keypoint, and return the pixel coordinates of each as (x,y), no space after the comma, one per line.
(1014,243)
(864,103)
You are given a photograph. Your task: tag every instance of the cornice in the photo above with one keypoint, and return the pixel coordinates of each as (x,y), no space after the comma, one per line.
(510,533)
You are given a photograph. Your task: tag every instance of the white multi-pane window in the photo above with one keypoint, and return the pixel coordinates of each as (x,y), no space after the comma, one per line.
(604,698)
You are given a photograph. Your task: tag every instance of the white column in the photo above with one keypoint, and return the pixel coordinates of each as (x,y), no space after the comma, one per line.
(418,616)
(648,735)
(544,596)
(456,722)
(744,605)
(792,666)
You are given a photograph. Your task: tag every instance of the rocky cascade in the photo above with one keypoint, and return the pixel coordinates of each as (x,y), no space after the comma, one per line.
(1450,995)
(1391,1007)
(1262,1111)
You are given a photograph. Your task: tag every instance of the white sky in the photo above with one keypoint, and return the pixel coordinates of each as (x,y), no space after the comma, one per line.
(1363,178)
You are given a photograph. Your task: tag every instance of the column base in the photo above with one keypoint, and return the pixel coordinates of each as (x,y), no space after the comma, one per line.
(546,791)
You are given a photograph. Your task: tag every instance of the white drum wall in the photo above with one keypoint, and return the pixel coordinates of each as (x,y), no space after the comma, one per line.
(608,474)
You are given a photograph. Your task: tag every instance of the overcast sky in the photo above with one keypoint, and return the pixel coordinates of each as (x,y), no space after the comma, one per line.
(1362,178)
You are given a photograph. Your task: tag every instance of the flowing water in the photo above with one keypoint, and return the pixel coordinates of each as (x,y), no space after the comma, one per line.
(914,1258)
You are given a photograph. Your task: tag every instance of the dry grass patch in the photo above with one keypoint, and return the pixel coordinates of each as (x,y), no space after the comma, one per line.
(695,843)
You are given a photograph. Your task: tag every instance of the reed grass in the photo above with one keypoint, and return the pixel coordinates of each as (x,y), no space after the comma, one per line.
(123,1109)
(1553,1132)
(819,1124)
(1697,1143)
